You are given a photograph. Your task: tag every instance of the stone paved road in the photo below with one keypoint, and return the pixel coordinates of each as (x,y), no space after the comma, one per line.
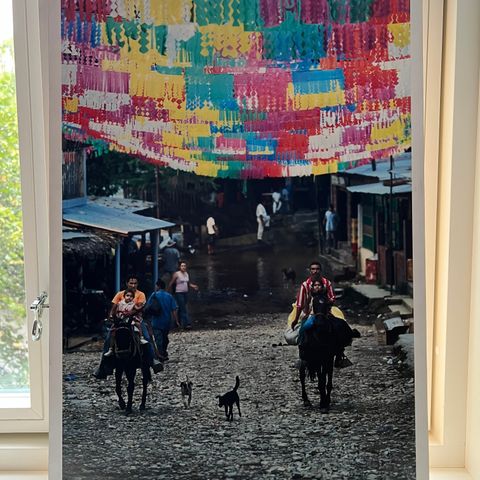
(369,433)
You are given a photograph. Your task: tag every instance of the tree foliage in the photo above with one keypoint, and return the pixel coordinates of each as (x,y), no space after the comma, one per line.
(13,353)
(113,171)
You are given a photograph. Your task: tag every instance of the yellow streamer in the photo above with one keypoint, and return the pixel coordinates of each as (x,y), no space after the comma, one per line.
(173,139)
(400,33)
(395,131)
(297,101)
(208,169)
(228,40)
(71,104)
(170,12)
(323,168)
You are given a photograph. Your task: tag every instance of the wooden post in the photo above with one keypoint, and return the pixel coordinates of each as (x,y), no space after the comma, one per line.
(155,245)
(117,266)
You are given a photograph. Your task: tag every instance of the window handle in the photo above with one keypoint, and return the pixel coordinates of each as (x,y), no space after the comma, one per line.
(37,307)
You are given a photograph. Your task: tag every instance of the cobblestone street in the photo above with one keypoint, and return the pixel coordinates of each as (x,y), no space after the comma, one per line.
(368,434)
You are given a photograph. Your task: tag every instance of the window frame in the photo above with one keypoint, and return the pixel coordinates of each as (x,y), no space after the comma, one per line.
(26,437)
(35,216)
(452,156)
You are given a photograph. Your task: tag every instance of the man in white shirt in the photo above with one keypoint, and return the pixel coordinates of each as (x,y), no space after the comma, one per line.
(277,204)
(263,220)
(212,232)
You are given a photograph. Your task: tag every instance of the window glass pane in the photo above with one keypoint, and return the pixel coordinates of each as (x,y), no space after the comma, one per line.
(14,380)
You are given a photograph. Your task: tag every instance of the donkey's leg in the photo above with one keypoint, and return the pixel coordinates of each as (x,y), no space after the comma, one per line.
(118,387)
(303,372)
(145,385)
(329,373)
(322,382)
(130,387)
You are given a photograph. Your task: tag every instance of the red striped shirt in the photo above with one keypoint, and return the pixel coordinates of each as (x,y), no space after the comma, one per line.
(303,297)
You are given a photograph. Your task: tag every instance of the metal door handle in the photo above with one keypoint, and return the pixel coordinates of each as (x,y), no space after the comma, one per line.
(37,307)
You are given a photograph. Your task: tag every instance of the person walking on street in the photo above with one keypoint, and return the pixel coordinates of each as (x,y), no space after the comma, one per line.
(162,310)
(286,199)
(180,285)
(276,202)
(171,257)
(263,220)
(331,221)
(212,232)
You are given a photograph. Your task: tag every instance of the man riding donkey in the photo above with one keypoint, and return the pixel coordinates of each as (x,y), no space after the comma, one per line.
(126,306)
(312,286)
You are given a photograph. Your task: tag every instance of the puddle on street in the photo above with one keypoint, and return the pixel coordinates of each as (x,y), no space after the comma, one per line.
(246,281)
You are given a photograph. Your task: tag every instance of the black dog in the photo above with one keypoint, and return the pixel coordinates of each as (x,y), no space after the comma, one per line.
(229,399)
(289,275)
(186,388)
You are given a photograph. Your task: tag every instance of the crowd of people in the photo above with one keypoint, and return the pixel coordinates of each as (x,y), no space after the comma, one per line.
(167,306)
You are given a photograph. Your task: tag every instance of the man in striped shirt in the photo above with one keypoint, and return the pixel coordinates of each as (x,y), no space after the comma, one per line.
(304,295)
(303,304)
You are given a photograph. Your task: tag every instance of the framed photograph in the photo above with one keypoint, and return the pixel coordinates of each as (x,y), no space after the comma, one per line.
(221,164)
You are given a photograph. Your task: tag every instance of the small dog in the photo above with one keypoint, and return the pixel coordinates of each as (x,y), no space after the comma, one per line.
(186,388)
(289,275)
(228,399)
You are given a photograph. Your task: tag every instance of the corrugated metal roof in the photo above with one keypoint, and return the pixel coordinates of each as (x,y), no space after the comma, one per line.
(112,220)
(72,235)
(380,189)
(131,205)
(402,167)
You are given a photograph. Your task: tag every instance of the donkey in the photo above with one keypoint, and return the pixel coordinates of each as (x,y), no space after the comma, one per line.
(320,344)
(129,357)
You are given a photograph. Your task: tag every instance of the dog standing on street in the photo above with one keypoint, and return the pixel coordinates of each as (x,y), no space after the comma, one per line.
(186,388)
(228,399)
(289,275)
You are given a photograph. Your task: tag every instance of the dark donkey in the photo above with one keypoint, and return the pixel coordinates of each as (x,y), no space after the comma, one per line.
(328,336)
(129,357)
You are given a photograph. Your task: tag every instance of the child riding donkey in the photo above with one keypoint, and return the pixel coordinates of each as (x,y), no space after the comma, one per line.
(124,310)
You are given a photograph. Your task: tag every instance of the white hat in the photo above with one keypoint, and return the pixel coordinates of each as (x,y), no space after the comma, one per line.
(166,242)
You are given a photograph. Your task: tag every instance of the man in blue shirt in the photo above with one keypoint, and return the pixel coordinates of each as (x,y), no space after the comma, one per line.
(161,308)
(171,257)
(331,222)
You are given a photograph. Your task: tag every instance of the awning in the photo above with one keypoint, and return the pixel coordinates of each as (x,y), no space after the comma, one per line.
(112,220)
(380,189)
(74,234)
(131,205)
(402,168)
(87,244)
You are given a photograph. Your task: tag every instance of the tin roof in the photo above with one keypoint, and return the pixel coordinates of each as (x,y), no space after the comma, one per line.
(112,219)
(72,234)
(380,189)
(402,167)
(131,205)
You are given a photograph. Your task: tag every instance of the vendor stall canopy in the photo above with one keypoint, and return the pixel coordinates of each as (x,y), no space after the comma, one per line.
(239,88)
